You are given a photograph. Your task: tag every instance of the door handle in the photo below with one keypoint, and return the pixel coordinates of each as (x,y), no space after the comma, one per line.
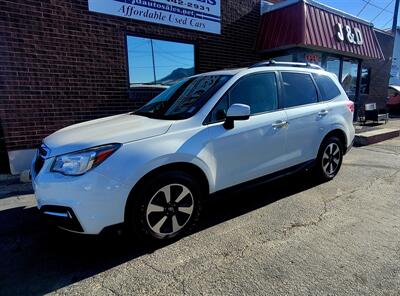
(280,124)
(323,113)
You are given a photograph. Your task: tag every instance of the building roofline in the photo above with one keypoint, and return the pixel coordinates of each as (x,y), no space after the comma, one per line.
(384,31)
(287,3)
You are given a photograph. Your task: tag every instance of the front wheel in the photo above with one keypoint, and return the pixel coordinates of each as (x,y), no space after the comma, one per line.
(329,159)
(166,207)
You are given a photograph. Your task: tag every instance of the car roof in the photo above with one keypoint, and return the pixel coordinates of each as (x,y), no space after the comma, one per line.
(222,72)
(261,68)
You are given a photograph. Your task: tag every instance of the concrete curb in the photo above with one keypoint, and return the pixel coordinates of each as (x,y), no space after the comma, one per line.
(375,136)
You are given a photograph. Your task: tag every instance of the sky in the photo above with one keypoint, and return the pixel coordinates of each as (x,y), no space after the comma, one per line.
(168,56)
(369,12)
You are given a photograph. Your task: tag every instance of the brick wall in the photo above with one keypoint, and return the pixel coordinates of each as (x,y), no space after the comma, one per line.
(61,64)
(380,73)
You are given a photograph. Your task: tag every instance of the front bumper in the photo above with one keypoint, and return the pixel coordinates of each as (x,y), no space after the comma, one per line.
(86,204)
(62,217)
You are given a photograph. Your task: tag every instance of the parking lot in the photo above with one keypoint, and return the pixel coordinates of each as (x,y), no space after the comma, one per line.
(292,237)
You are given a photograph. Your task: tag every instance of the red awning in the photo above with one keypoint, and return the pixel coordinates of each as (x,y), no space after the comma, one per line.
(311,25)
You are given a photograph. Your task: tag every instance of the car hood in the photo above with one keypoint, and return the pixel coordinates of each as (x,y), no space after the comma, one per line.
(114,129)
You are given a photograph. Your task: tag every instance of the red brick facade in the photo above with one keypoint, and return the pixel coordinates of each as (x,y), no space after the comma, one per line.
(61,64)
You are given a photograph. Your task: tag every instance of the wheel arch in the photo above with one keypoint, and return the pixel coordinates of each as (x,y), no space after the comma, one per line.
(340,134)
(187,167)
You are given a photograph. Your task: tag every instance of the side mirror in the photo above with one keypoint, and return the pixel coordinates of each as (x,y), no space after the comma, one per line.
(236,112)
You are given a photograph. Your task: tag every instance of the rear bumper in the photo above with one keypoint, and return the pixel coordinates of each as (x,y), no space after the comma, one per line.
(349,147)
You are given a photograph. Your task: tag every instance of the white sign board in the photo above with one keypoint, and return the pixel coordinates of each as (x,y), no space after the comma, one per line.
(200,15)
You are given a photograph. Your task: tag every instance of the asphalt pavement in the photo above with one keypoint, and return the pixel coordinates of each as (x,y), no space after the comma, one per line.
(290,237)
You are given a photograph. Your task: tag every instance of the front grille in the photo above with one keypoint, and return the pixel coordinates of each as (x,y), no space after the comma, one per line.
(43,151)
(39,162)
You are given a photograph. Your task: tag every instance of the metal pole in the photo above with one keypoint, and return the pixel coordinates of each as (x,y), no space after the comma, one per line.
(395,16)
(154,65)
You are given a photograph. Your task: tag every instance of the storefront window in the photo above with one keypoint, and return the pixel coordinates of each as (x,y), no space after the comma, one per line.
(365,78)
(158,62)
(284,58)
(349,78)
(333,65)
(313,58)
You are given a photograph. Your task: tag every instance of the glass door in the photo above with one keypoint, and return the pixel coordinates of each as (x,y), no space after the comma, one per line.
(349,77)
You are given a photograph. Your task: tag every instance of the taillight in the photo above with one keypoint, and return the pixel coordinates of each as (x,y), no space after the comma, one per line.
(350,105)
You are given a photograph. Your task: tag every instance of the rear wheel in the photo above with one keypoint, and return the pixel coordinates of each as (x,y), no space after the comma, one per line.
(329,159)
(166,207)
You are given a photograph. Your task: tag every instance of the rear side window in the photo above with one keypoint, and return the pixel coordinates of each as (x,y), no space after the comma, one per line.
(327,87)
(298,89)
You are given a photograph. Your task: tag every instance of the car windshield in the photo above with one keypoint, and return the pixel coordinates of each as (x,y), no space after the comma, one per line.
(183,99)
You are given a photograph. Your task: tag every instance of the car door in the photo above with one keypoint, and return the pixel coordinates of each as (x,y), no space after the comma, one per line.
(253,147)
(306,117)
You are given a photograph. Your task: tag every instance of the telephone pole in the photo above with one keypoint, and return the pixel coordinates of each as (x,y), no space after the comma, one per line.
(395,16)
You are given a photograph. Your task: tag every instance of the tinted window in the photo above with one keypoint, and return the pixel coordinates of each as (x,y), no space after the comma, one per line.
(299,89)
(219,111)
(259,91)
(327,87)
(365,78)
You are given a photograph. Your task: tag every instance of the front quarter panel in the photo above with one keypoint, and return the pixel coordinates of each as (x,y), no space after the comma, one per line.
(134,160)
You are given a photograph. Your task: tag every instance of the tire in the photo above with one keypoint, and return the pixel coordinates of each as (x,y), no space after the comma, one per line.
(329,160)
(153,217)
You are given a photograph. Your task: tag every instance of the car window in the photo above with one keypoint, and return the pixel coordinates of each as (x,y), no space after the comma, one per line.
(183,99)
(219,111)
(298,89)
(259,91)
(327,87)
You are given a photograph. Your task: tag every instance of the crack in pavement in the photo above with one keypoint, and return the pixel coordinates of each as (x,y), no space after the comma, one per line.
(326,202)
(168,273)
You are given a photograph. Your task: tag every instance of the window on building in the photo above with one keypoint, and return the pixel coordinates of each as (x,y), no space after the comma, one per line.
(310,57)
(365,78)
(284,58)
(349,77)
(259,91)
(299,89)
(158,62)
(333,65)
(327,87)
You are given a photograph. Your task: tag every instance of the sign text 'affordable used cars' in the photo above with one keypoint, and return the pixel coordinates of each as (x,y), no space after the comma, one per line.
(200,15)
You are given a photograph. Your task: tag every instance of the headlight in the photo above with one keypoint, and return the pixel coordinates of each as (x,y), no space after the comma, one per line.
(78,163)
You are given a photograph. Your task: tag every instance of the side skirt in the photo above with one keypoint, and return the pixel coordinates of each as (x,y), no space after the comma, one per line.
(267,178)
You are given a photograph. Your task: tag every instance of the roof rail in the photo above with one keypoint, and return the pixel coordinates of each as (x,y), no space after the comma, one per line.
(285,64)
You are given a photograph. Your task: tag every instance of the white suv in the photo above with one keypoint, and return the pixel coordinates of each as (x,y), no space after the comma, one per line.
(152,168)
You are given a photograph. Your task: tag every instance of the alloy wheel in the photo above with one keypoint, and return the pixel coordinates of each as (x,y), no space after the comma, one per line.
(331,159)
(170,209)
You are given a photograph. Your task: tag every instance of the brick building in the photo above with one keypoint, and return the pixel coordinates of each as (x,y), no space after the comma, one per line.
(67,61)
